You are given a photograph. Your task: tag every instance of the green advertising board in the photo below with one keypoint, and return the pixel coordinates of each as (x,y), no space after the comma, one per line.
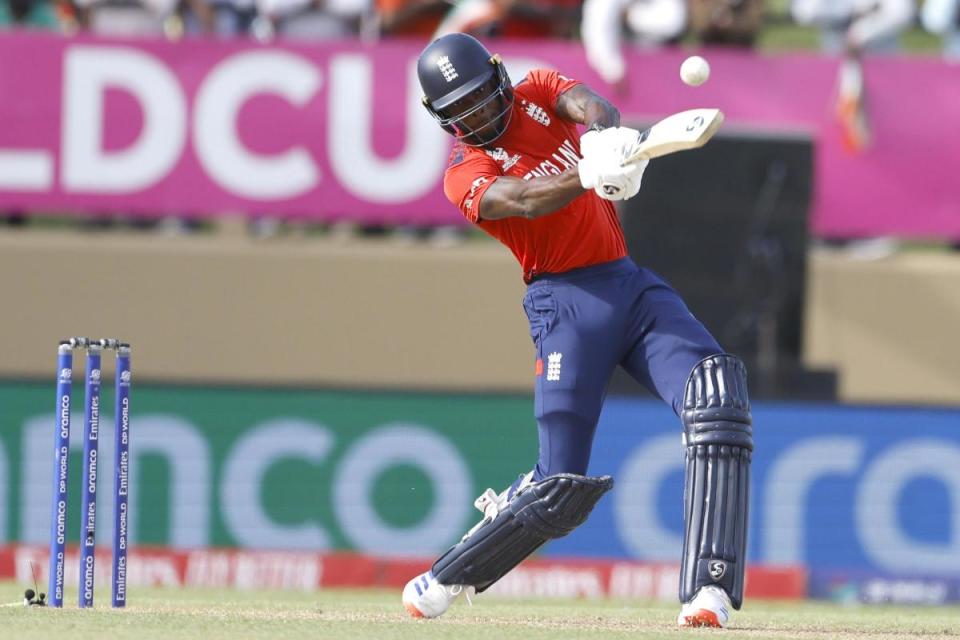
(383,473)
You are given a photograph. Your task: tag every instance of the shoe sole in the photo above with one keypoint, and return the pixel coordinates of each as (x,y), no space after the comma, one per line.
(702,618)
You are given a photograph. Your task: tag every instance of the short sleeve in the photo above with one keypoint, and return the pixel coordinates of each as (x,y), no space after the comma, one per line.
(550,84)
(468,177)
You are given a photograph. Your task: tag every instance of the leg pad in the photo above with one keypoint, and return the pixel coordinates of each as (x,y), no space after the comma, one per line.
(541,511)
(718,434)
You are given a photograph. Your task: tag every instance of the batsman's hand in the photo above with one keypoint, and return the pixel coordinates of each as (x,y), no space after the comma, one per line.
(615,144)
(596,145)
(602,168)
(609,179)
(619,182)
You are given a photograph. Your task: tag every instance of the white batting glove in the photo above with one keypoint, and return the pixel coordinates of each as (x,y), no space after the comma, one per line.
(594,147)
(589,172)
(615,182)
(607,148)
(624,142)
(594,144)
(611,143)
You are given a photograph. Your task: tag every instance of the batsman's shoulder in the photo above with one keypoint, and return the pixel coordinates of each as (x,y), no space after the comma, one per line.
(545,86)
(465,169)
(463,157)
(549,78)
(539,74)
(457,154)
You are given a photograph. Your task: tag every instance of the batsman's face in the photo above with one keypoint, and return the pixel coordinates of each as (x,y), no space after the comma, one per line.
(480,116)
(477,109)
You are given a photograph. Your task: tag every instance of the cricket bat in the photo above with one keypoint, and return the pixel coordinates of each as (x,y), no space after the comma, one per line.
(679,132)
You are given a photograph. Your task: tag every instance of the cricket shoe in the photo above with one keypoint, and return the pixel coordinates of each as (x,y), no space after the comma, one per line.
(424,597)
(709,608)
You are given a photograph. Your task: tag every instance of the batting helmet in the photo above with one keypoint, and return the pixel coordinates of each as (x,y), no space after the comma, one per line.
(466,89)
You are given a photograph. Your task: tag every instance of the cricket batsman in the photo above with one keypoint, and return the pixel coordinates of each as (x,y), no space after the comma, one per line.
(522,173)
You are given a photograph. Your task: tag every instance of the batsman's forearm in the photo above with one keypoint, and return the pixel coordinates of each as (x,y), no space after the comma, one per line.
(599,112)
(584,106)
(534,198)
(543,196)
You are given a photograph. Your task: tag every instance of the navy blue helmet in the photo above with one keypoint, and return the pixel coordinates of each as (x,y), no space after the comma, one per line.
(466,89)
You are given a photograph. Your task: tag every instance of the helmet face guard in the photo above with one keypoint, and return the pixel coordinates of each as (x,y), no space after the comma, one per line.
(453,111)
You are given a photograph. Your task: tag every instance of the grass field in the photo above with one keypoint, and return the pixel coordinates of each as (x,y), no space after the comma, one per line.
(376,615)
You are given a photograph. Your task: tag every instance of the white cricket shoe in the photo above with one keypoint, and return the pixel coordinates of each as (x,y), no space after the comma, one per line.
(709,608)
(424,597)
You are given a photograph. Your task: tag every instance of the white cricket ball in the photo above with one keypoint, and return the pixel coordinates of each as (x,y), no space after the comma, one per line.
(694,71)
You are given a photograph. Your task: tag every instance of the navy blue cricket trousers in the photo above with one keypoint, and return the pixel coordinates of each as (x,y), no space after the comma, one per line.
(584,323)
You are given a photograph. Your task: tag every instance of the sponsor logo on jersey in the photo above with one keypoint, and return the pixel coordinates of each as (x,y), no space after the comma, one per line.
(503,157)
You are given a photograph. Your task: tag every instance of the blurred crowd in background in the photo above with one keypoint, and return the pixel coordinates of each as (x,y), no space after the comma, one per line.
(600,24)
(846,28)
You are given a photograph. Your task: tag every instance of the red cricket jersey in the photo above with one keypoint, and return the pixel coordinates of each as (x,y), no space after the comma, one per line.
(538,142)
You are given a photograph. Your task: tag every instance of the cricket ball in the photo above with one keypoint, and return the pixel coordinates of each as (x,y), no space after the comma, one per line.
(694,71)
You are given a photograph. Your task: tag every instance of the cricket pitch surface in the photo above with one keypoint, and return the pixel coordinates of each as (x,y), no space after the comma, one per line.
(377,614)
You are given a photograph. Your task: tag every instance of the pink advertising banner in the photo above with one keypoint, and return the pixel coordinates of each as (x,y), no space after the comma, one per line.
(335,130)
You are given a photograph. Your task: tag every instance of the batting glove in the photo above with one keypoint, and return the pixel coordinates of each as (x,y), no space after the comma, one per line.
(616,182)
